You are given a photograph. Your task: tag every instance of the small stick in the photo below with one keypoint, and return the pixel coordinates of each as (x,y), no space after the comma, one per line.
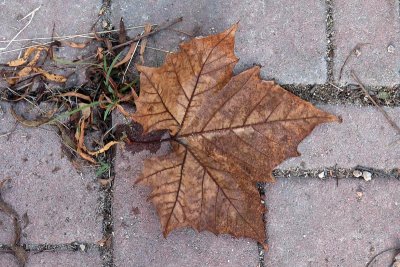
(84,35)
(337,87)
(31,14)
(129,63)
(355,48)
(63,38)
(380,253)
(140,37)
(391,122)
(162,27)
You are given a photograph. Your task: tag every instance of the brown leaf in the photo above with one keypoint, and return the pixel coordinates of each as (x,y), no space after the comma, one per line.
(127,57)
(122,38)
(227,133)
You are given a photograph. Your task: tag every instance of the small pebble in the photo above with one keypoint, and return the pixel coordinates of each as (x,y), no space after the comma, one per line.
(321,175)
(357,173)
(367,176)
(82,247)
(357,52)
(390,49)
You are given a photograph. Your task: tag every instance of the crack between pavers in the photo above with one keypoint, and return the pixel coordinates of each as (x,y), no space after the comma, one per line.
(330,48)
(386,96)
(107,251)
(73,246)
(335,172)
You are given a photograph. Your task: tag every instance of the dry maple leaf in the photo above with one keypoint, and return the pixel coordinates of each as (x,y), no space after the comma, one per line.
(227,133)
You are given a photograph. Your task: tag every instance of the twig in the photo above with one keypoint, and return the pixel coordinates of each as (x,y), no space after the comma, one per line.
(337,87)
(391,122)
(83,35)
(140,37)
(355,48)
(63,38)
(158,49)
(129,62)
(183,32)
(380,253)
(156,30)
(31,14)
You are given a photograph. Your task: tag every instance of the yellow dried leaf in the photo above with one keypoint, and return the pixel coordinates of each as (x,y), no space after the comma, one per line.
(50,76)
(103,149)
(24,59)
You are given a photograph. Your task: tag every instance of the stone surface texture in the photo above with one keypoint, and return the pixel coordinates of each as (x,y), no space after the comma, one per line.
(310,222)
(72,17)
(375,26)
(53,259)
(60,202)
(273,34)
(315,223)
(363,138)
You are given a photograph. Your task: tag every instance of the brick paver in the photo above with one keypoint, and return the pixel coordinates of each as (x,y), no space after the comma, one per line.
(363,138)
(376,25)
(71,17)
(53,259)
(61,203)
(310,222)
(315,223)
(271,33)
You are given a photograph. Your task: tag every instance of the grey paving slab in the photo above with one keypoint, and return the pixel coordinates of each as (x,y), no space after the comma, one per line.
(68,17)
(315,223)
(138,239)
(60,202)
(376,25)
(363,138)
(271,33)
(52,259)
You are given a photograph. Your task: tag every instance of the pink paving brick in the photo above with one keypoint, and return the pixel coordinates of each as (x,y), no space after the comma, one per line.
(271,33)
(363,138)
(376,25)
(138,239)
(315,223)
(60,202)
(71,17)
(53,259)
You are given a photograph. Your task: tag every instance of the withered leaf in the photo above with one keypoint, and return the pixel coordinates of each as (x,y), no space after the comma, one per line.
(227,133)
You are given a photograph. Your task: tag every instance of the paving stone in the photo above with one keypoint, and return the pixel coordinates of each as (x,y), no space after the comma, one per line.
(60,202)
(376,25)
(363,138)
(271,33)
(68,17)
(138,239)
(51,259)
(315,223)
